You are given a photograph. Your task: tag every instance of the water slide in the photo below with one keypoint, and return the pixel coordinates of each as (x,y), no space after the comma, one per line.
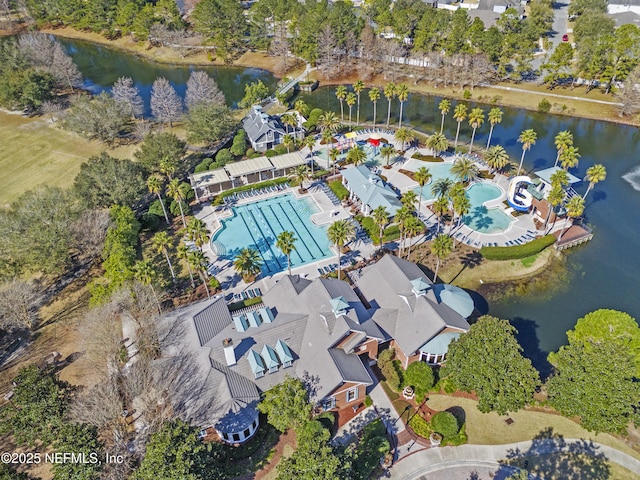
(518,197)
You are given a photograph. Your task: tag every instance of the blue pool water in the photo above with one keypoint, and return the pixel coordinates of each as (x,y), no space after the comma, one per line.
(481,218)
(257,225)
(438,171)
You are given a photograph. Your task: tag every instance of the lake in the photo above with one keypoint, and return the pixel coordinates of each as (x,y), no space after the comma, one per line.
(605,273)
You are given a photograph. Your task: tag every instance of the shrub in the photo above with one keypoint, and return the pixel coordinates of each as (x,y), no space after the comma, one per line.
(254,155)
(149,221)
(386,356)
(390,368)
(420,426)
(214,283)
(427,158)
(328,421)
(420,376)
(445,423)
(244,303)
(544,106)
(280,149)
(459,439)
(223,157)
(174,208)
(518,251)
(156,208)
(250,151)
(312,120)
(367,401)
(466,94)
(340,190)
(270,153)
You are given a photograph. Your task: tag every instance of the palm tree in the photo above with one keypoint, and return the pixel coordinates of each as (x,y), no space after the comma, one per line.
(289,120)
(402,92)
(422,176)
(386,152)
(286,243)
(403,134)
(438,143)
(175,192)
(401,218)
(389,92)
(351,101)
(326,137)
(595,174)
(413,228)
(380,217)
(288,142)
(441,187)
(356,155)
(301,107)
(248,264)
(340,233)
(154,183)
(162,243)
(299,175)
(441,247)
(495,117)
(334,153)
(569,158)
(464,169)
(461,205)
(444,106)
(374,96)
(168,167)
(358,87)
(309,142)
(198,262)
(554,198)
(496,157)
(328,122)
(575,208)
(146,274)
(440,208)
(341,94)
(459,114)
(527,138)
(197,232)
(476,119)
(409,199)
(562,140)
(183,254)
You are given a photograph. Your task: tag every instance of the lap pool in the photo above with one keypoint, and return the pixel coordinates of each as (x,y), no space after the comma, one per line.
(257,225)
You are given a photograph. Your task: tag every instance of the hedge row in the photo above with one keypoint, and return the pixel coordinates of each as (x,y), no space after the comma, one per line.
(244,303)
(389,234)
(518,251)
(339,190)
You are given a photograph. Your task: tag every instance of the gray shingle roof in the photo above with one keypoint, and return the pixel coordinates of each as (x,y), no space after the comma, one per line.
(211,320)
(350,367)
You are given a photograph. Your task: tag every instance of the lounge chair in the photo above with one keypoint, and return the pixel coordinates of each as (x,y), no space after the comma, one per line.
(244,295)
(251,293)
(258,292)
(320,271)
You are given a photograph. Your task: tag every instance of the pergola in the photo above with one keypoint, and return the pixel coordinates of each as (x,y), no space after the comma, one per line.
(252,166)
(286,162)
(208,179)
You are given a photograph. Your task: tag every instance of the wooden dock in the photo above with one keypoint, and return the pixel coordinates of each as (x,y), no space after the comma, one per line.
(575,235)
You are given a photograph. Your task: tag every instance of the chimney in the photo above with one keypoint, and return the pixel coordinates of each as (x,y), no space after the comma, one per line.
(229,353)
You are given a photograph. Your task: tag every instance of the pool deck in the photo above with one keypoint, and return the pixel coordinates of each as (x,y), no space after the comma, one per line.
(522,228)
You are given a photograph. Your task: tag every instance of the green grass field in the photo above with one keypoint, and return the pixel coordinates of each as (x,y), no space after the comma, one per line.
(35,152)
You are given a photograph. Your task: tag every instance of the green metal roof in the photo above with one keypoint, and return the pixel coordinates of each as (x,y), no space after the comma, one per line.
(270,357)
(439,345)
(338,304)
(284,352)
(419,284)
(256,362)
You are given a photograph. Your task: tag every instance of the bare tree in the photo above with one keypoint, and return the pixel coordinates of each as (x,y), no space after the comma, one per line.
(53,109)
(19,304)
(629,94)
(166,105)
(124,91)
(100,405)
(45,53)
(63,68)
(141,129)
(90,230)
(327,59)
(201,88)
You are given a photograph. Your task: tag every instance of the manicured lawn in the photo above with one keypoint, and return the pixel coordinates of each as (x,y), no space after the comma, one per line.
(491,428)
(35,152)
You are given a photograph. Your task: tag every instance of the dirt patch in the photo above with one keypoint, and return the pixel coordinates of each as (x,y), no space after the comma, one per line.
(283,448)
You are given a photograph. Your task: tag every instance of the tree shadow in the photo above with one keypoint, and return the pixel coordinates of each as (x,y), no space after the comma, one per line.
(459,413)
(470,260)
(551,457)
(527,337)
(596,196)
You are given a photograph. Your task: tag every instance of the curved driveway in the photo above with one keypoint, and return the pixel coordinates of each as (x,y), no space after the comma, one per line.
(452,463)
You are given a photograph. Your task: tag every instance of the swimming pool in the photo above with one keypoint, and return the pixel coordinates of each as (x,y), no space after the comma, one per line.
(257,225)
(481,218)
(438,171)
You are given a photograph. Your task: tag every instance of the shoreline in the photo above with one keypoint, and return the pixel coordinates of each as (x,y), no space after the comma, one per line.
(523,95)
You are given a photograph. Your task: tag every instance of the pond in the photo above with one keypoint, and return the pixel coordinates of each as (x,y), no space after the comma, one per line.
(605,273)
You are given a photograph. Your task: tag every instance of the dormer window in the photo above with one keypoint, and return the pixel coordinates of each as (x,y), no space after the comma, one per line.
(419,286)
(339,306)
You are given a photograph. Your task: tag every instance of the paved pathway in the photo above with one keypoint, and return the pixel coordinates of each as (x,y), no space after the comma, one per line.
(554,95)
(464,459)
